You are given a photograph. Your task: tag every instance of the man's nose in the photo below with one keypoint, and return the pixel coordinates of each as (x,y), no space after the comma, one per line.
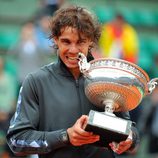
(74,48)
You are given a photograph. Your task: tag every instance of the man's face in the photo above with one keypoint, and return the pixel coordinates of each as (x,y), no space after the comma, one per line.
(70,44)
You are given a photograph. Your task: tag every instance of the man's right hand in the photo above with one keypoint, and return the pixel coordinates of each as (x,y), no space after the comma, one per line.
(78,136)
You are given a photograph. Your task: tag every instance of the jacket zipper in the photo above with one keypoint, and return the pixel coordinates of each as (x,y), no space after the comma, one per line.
(77,83)
(78,93)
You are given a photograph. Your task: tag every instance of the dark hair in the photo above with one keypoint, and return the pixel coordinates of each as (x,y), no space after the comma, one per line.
(76,17)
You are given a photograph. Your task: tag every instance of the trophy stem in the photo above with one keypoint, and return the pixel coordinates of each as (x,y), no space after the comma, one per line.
(109,107)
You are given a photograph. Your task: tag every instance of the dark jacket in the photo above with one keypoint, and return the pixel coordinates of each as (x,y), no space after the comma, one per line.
(49,102)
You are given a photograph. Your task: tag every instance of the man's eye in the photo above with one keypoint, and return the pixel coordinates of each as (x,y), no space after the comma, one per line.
(82,42)
(65,41)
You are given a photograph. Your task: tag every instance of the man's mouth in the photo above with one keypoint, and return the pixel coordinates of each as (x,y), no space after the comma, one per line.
(72,58)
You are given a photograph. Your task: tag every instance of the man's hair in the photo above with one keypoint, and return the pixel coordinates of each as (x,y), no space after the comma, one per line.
(75,17)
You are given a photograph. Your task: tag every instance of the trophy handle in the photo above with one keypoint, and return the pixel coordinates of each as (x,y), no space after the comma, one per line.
(83,64)
(152,84)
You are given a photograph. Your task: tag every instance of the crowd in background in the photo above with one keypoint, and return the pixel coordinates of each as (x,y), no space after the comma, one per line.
(34,49)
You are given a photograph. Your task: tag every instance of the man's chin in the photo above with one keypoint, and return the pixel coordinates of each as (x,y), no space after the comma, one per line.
(73,66)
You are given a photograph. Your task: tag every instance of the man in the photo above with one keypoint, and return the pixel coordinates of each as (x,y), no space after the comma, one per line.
(52,107)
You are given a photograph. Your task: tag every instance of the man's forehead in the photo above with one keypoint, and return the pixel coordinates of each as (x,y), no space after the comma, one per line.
(73,30)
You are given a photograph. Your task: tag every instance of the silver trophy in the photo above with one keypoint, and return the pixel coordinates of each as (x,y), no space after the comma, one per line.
(114,85)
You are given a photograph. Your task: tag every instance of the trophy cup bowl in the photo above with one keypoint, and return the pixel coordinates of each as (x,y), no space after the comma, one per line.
(114,85)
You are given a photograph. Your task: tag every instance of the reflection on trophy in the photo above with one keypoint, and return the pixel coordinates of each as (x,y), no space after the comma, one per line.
(114,85)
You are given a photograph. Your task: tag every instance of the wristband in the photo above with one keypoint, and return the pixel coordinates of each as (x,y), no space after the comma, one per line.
(64,137)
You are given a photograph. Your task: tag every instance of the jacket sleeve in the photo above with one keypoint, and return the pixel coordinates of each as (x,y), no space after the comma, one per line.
(23,136)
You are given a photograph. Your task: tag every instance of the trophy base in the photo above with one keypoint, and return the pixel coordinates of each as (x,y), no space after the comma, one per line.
(109,127)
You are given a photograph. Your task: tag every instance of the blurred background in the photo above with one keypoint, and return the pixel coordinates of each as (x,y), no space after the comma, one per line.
(129,32)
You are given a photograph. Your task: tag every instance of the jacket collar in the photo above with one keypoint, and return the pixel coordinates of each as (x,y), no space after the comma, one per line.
(61,68)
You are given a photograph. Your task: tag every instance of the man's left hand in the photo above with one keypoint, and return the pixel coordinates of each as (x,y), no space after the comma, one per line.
(121,147)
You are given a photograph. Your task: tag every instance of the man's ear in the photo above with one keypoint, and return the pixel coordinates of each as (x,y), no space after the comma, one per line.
(55,40)
(55,45)
(91,44)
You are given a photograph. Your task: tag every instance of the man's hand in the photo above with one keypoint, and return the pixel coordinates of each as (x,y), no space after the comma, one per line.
(121,147)
(78,136)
